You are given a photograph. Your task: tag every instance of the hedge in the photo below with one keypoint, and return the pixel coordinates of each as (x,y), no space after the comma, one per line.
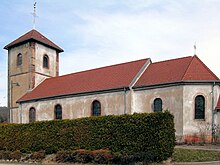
(152,134)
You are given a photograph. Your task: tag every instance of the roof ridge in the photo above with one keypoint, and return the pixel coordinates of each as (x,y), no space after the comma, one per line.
(89,70)
(5,47)
(206,67)
(174,59)
(32,31)
(187,68)
(43,37)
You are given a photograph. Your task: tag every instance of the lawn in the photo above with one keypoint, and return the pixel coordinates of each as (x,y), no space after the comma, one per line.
(190,155)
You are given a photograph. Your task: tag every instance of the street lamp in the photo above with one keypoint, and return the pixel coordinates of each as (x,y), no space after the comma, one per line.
(11,106)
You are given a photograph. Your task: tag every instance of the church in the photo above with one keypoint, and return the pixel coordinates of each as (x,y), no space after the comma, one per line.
(185,87)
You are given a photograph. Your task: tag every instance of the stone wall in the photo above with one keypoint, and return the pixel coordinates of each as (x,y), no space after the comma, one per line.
(30,73)
(42,50)
(19,74)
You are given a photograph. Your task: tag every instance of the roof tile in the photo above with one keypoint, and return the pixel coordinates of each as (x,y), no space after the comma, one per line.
(197,70)
(110,77)
(186,68)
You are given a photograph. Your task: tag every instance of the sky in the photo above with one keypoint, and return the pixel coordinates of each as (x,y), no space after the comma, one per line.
(96,33)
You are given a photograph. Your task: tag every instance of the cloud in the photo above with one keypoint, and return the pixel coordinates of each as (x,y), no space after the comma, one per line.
(159,34)
(99,33)
(121,37)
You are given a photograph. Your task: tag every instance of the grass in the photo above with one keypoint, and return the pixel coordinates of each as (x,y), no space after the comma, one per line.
(190,155)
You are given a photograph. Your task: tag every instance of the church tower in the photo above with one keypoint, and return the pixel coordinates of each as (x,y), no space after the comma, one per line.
(31,59)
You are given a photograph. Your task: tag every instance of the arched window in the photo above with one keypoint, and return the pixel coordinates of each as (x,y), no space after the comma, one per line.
(158,105)
(199,107)
(96,108)
(58,112)
(19,59)
(46,61)
(32,115)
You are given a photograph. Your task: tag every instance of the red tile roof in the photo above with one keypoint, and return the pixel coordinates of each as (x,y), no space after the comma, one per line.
(36,36)
(175,70)
(110,77)
(197,70)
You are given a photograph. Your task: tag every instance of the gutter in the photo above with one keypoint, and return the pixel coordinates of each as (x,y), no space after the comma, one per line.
(175,83)
(75,94)
(35,40)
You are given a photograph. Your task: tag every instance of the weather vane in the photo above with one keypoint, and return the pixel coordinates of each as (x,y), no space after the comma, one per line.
(34,14)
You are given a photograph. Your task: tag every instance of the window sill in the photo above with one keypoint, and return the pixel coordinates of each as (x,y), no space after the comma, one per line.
(199,119)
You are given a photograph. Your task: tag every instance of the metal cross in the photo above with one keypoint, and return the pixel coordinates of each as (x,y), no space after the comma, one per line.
(34,14)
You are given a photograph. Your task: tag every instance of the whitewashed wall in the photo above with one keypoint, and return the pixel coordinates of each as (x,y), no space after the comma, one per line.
(77,107)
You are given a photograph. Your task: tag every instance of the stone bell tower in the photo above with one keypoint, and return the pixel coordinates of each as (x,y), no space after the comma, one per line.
(31,58)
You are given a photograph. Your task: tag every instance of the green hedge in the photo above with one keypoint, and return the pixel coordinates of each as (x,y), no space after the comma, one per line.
(152,134)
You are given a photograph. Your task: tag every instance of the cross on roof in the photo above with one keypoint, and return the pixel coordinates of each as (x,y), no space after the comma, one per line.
(34,14)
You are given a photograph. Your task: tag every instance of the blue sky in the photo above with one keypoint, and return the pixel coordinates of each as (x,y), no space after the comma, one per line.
(95,33)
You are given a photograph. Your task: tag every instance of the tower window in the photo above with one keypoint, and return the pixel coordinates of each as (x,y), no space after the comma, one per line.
(19,59)
(46,61)
(32,115)
(158,105)
(96,108)
(58,112)
(199,107)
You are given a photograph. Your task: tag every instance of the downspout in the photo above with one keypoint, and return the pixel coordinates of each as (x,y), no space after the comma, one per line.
(213,110)
(21,113)
(125,102)
(11,105)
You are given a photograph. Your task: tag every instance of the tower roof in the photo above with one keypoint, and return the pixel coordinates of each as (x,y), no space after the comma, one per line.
(35,36)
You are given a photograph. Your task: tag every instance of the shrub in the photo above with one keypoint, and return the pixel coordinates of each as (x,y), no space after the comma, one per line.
(65,156)
(38,155)
(85,156)
(102,156)
(16,155)
(5,155)
(146,135)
